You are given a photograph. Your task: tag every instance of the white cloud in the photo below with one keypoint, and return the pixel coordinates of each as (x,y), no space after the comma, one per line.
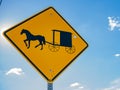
(117,55)
(77,86)
(117,81)
(16,71)
(4,27)
(81,87)
(114,85)
(114,22)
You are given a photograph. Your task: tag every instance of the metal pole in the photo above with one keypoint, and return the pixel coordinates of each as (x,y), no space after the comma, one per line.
(50,86)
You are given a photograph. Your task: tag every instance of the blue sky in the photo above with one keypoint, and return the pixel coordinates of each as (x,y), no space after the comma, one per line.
(98,68)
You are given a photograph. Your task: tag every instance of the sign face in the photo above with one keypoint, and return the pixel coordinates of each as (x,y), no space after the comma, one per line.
(47,41)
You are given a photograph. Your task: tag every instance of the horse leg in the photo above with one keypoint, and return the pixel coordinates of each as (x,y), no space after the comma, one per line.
(28,44)
(41,43)
(25,42)
(41,47)
(37,45)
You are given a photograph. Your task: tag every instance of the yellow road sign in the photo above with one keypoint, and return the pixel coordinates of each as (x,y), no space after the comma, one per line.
(47,41)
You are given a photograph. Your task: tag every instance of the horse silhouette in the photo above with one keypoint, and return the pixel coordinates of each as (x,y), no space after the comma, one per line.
(31,37)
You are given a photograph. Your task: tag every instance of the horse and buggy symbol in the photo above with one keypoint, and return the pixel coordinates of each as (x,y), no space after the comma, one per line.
(65,41)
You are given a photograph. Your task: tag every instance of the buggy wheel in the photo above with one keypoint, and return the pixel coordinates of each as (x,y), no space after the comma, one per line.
(70,50)
(53,48)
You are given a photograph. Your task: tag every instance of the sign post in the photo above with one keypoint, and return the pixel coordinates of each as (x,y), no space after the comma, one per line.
(50,86)
(48,42)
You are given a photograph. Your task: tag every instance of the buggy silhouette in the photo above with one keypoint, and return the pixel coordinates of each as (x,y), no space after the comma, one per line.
(65,41)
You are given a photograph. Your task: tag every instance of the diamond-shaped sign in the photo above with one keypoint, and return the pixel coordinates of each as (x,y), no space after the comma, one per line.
(47,41)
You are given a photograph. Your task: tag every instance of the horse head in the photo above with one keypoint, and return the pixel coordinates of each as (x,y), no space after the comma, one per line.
(23,31)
